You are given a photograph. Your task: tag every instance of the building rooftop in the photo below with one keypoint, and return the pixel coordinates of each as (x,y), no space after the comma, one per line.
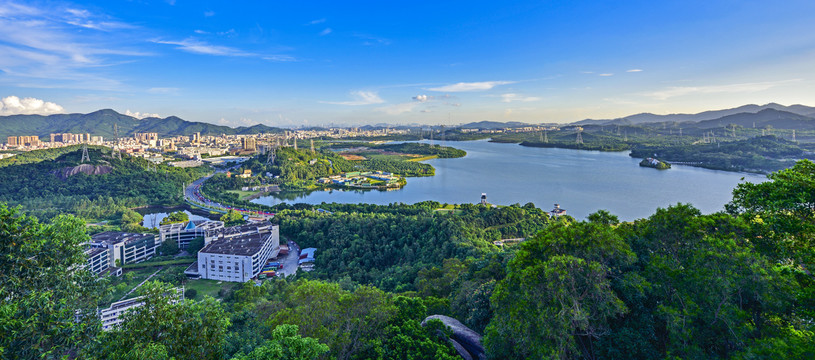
(90,252)
(245,245)
(108,238)
(201,225)
(258,227)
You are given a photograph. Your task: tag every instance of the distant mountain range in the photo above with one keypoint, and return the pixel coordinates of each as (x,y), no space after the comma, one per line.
(491,125)
(100,123)
(806,111)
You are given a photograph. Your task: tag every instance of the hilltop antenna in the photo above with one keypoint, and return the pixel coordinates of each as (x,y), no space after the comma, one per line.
(579,135)
(85,156)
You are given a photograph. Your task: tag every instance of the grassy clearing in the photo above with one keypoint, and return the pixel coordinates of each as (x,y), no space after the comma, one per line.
(182,260)
(121,285)
(210,287)
(423,158)
(242,194)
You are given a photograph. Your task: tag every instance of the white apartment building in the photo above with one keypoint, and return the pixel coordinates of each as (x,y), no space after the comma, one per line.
(184,232)
(128,248)
(238,253)
(111,317)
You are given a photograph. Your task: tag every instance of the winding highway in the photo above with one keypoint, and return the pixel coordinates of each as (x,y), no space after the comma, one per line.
(193,196)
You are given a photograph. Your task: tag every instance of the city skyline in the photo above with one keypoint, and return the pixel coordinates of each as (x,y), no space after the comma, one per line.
(288,65)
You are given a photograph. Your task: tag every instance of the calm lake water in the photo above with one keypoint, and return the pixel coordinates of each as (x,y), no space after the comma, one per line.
(582,182)
(153,219)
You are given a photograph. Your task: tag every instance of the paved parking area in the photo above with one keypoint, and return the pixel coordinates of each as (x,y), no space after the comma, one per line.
(290,261)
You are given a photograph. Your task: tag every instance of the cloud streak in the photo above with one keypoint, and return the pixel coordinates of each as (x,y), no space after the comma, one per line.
(13,105)
(196,46)
(361,98)
(508,98)
(470,86)
(678,91)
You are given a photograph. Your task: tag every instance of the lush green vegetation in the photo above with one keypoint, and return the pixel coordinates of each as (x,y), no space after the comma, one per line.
(759,154)
(748,150)
(387,246)
(43,188)
(677,285)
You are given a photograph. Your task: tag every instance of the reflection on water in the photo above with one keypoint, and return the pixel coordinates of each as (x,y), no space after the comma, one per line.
(581,181)
(153,219)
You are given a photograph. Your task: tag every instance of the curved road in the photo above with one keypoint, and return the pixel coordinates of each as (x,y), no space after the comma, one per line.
(193,196)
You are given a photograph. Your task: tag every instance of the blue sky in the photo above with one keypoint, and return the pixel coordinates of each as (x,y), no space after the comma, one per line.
(321,63)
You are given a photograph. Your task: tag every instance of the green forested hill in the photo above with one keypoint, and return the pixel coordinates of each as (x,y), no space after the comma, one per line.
(101,123)
(38,186)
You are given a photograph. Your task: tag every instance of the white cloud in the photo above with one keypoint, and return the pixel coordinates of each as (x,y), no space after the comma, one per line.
(200,47)
(515,97)
(42,47)
(13,105)
(422,98)
(605,74)
(326,32)
(634,70)
(139,115)
(677,91)
(280,58)
(209,13)
(362,98)
(470,86)
(201,32)
(397,109)
(315,22)
(163,90)
(371,40)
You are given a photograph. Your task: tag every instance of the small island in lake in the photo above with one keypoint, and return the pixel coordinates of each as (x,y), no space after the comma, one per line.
(654,163)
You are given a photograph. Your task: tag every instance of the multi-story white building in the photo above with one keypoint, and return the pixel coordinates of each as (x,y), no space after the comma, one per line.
(184,232)
(238,253)
(127,248)
(112,316)
(98,260)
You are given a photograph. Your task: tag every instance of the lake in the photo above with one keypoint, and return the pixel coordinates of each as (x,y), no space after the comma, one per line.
(153,217)
(580,181)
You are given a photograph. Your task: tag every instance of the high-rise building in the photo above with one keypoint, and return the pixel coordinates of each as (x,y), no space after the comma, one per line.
(249,143)
(12,140)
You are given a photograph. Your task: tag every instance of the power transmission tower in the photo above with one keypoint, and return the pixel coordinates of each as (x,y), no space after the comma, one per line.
(270,157)
(116,146)
(85,156)
(545,137)
(580,135)
(793,135)
(312,146)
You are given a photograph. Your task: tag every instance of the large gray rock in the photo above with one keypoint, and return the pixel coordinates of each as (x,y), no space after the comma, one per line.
(461,336)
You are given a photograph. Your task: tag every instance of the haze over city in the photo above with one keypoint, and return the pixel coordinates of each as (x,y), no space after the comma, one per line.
(289,64)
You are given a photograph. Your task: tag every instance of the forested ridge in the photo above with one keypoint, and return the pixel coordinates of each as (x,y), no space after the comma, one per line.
(675,285)
(37,183)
